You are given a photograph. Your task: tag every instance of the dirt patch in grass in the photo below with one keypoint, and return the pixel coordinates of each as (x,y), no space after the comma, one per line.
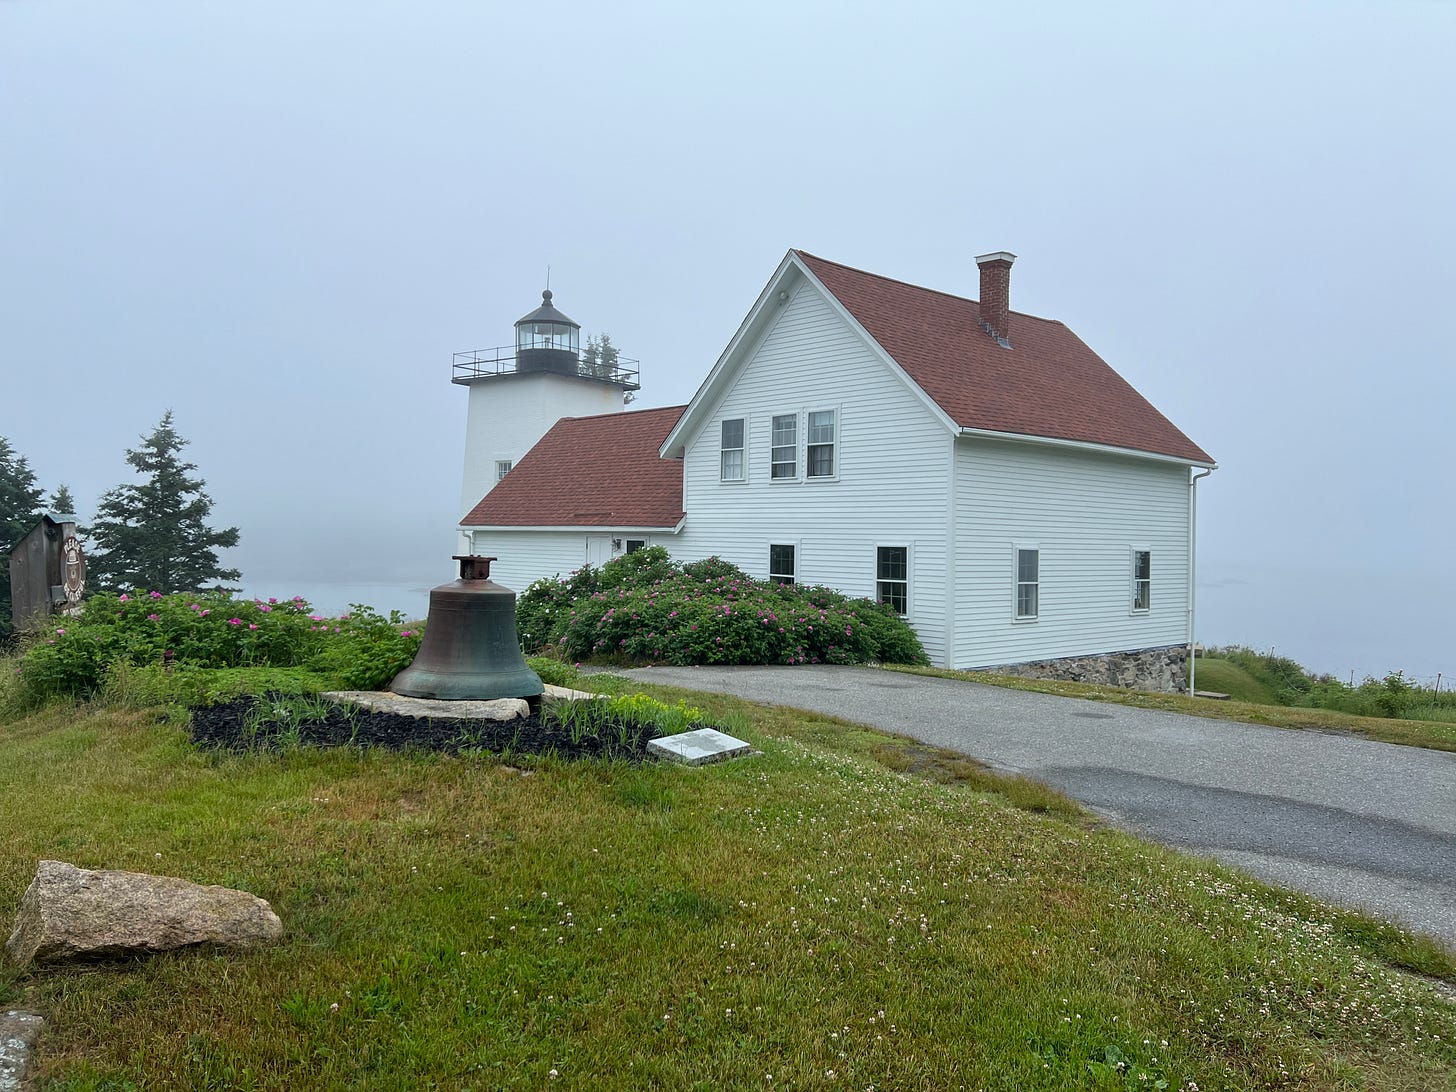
(277,722)
(951,767)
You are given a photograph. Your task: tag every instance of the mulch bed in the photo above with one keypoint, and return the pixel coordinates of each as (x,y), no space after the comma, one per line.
(250,724)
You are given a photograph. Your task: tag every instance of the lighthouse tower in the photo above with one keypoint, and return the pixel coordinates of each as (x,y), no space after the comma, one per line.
(519,391)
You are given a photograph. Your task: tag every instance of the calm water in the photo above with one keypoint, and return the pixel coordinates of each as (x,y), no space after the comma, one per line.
(1339,622)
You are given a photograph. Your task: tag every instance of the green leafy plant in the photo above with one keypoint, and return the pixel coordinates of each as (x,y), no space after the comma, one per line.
(72,655)
(706,612)
(366,650)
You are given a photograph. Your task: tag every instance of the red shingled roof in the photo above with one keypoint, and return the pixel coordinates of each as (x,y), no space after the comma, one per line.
(1049,383)
(599,471)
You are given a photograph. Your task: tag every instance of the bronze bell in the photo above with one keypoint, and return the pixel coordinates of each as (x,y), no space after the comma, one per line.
(470,651)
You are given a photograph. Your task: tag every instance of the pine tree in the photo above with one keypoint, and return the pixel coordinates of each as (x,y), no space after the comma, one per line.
(20,509)
(153,535)
(62,503)
(599,358)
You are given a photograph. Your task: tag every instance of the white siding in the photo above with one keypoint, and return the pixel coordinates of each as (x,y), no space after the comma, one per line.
(1085,512)
(893,461)
(524,557)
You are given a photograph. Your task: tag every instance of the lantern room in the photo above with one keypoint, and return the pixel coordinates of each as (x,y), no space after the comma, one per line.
(547,341)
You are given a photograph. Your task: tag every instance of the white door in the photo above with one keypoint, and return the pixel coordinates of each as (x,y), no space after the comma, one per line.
(598,549)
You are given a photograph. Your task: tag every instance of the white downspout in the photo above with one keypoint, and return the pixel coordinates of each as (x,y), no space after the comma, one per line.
(1193,578)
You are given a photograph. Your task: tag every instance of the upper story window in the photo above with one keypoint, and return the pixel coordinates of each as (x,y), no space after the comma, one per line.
(731,451)
(1028,582)
(892,577)
(1142,580)
(821,439)
(785,456)
(781,564)
(502,468)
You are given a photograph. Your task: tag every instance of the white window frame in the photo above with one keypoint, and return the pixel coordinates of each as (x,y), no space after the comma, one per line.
(1017,549)
(775,448)
(724,450)
(833,445)
(502,468)
(777,578)
(906,581)
(632,545)
(1133,581)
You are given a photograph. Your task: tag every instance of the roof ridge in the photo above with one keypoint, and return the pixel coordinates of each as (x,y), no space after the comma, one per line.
(624,413)
(917,287)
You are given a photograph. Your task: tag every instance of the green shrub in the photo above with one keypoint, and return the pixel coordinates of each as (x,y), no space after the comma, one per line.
(554,672)
(209,630)
(365,650)
(708,612)
(542,607)
(714,568)
(640,567)
(172,636)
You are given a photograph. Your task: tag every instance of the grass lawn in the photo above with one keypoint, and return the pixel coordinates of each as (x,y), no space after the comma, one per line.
(1226,677)
(846,910)
(1436,735)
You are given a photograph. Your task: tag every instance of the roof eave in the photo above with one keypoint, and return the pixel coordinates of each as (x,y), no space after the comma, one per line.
(1087,445)
(666,529)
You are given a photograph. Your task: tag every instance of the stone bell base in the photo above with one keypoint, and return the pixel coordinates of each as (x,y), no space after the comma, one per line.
(384,701)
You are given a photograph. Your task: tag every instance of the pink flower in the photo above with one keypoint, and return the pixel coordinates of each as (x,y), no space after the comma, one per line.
(204,614)
(235,621)
(252,625)
(154,618)
(265,608)
(315,617)
(407,633)
(60,633)
(155,594)
(125,598)
(272,600)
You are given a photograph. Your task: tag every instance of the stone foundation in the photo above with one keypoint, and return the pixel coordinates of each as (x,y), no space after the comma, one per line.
(1159,669)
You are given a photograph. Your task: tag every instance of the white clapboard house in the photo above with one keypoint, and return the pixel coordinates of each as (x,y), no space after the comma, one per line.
(981,469)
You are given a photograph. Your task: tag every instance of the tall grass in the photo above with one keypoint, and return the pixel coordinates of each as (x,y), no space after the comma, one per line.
(1394,695)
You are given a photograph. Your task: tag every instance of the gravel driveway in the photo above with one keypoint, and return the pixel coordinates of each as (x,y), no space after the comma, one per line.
(1371,825)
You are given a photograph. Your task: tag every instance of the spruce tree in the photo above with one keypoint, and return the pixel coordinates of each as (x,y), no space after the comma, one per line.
(153,535)
(20,509)
(62,503)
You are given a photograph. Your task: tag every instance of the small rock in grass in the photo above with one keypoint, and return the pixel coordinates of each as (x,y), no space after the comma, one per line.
(18,1031)
(70,913)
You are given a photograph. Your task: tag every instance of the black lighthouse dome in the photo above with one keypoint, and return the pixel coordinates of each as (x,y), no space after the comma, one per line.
(547,341)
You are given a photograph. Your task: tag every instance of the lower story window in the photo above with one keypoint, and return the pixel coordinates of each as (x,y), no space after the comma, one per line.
(1142,579)
(1028,583)
(635,544)
(892,577)
(781,564)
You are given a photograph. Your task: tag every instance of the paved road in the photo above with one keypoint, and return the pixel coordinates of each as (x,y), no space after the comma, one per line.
(1367,824)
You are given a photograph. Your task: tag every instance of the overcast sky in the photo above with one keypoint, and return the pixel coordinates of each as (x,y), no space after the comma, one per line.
(281,219)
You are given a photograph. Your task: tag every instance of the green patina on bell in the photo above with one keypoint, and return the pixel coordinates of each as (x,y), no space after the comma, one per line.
(470,651)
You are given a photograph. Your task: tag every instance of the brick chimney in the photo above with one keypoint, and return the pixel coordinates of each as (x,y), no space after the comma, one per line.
(996,295)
